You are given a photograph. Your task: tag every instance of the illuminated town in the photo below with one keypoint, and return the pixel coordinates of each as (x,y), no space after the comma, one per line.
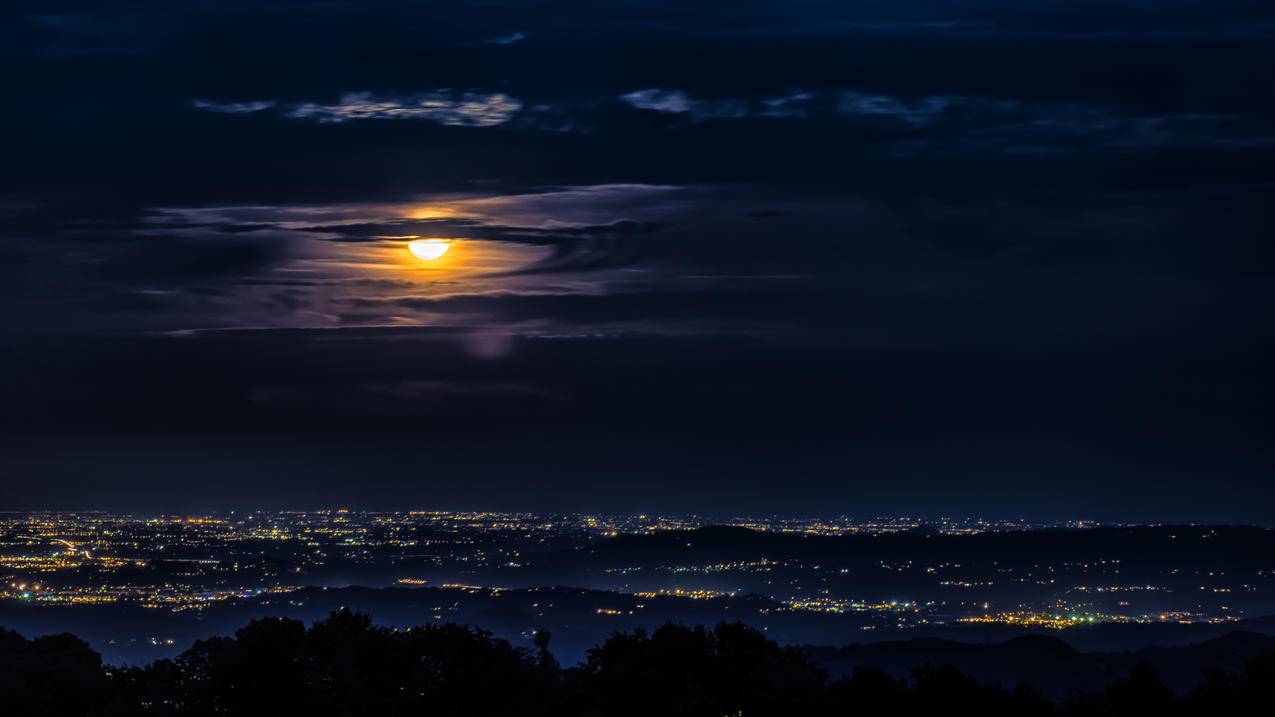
(910,573)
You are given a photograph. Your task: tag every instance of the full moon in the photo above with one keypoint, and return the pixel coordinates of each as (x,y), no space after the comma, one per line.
(428,249)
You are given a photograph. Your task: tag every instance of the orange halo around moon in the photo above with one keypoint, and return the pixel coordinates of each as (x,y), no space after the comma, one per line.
(428,249)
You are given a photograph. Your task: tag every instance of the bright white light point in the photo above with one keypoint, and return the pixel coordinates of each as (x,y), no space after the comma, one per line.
(428,249)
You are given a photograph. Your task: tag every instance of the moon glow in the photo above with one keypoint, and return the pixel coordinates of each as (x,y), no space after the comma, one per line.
(428,249)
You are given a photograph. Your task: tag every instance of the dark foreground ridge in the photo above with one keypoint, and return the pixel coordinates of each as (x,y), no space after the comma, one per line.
(345,665)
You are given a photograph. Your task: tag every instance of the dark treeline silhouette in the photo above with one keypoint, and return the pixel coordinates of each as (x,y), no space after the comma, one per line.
(345,665)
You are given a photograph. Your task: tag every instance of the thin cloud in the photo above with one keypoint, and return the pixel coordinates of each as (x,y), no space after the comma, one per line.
(678,102)
(469,109)
(510,39)
(236,108)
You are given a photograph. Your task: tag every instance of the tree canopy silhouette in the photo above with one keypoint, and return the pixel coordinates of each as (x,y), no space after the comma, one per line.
(345,665)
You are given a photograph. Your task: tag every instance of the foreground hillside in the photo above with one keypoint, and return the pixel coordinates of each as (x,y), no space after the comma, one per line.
(344,665)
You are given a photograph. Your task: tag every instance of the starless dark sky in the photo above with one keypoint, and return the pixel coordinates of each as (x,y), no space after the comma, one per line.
(905,257)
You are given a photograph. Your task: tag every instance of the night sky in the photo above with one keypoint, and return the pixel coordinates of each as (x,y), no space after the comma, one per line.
(858,257)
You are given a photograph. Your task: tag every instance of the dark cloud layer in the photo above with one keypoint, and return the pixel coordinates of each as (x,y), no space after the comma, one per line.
(965,257)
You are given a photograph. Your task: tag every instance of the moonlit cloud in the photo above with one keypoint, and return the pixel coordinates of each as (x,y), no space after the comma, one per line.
(469,109)
(510,39)
(918,112)
(678,102)
(342,266)
(233,107)
(671,101)
(793,105)
(797,104)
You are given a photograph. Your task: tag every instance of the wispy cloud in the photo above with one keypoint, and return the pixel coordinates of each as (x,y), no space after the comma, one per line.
(678,102)
(801,104)
(233,107)
(798,104)
(467,109)
(511,38)
(955,124)
(886,106)
(672,101)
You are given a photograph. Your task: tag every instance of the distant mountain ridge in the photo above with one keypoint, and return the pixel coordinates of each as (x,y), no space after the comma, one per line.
(1049,663)
(1251,544)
